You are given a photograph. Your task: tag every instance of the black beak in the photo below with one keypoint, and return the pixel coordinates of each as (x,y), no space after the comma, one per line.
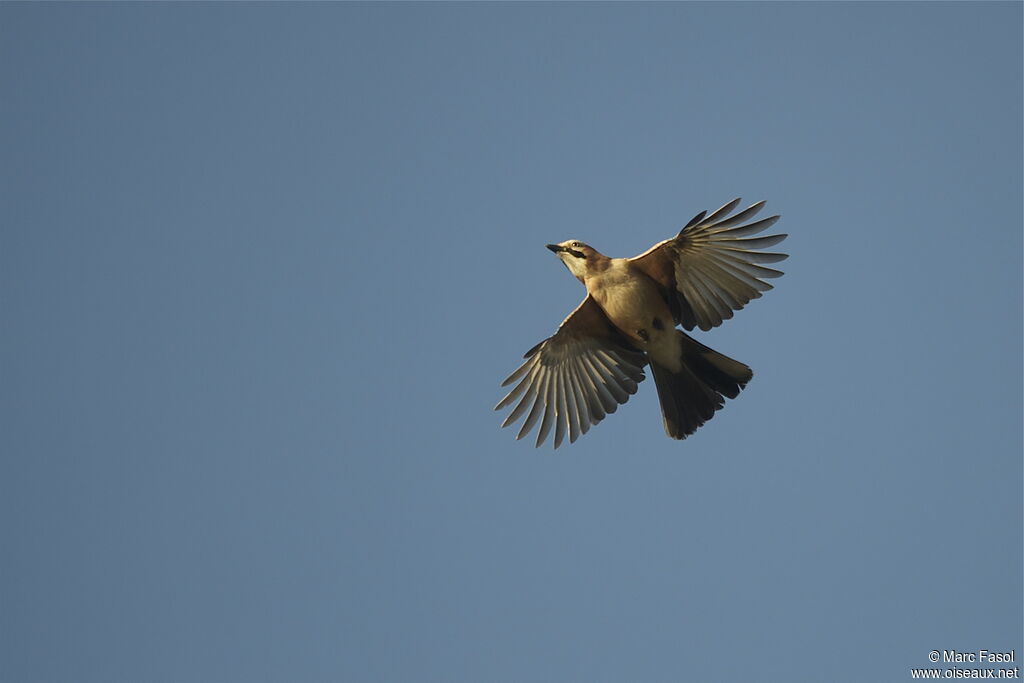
(555,248)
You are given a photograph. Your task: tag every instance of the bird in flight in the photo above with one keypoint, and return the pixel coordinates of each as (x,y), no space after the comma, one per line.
(628,319)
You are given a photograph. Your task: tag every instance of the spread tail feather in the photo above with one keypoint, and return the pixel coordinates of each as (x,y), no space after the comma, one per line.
(690,397)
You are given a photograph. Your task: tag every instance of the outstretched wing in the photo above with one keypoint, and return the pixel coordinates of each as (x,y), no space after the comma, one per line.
(712,267)
(574,378)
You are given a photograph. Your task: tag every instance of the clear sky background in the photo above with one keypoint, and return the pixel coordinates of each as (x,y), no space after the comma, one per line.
(263,267)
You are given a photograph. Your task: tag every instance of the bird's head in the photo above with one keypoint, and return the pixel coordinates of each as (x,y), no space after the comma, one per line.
(577,256)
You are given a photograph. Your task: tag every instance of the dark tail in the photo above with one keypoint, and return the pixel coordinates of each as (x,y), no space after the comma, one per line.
(690,397)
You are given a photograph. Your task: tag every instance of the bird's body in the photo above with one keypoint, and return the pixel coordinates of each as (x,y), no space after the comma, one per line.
(628,319)
(633,304)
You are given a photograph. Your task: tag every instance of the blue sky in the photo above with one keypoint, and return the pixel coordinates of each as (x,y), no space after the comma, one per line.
(263,267)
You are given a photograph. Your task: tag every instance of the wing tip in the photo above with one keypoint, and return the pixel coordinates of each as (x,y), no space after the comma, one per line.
(695,220)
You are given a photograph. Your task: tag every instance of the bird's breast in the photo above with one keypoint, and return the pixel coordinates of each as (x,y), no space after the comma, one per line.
(633,303)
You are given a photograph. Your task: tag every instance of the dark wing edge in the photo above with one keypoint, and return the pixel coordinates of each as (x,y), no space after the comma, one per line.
(713,267)
(574,378)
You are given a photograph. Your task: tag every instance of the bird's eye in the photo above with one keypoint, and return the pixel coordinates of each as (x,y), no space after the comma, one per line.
(576,244)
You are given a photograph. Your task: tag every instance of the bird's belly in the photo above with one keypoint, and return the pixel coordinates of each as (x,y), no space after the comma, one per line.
(636,307)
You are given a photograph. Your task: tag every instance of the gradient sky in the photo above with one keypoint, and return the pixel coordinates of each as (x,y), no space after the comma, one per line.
(263,266)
